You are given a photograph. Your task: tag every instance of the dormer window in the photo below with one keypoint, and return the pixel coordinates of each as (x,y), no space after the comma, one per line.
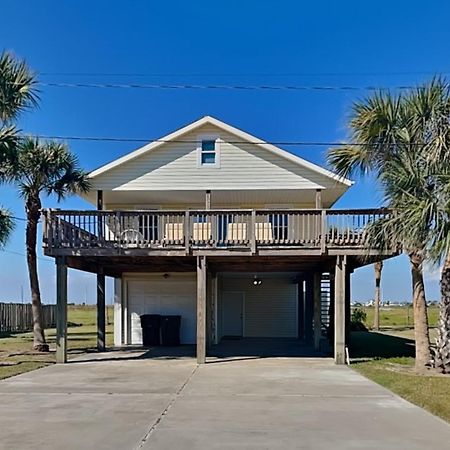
(208,151)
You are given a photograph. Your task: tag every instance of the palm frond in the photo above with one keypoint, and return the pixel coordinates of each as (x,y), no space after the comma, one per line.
(18,90)
(6,226)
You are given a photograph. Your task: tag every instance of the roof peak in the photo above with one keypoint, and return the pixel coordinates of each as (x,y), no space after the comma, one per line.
(230,129)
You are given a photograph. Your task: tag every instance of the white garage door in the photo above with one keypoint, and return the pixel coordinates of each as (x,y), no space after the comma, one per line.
(157,295)
(269,310)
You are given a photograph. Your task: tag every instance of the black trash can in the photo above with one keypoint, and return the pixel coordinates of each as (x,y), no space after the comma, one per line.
(151,326)
(170,330)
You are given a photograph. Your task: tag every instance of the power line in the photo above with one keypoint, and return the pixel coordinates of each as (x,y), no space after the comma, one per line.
(222,87)
(231,74)
(23,254)
(183,141)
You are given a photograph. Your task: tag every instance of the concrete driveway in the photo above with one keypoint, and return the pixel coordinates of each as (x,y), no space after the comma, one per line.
(124,401)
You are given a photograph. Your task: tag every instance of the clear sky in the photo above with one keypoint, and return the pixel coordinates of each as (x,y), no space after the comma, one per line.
(326,43)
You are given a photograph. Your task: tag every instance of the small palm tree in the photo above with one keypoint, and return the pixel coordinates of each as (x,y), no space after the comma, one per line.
(38,168)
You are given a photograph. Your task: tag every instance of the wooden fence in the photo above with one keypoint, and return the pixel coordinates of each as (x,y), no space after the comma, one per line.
(18,317)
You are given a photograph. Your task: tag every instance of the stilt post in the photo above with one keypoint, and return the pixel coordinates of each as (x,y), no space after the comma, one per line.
(339,309)
(101,328)
(201,309)
(61,310)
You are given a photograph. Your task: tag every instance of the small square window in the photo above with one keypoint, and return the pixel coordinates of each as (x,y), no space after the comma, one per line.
(208,152)
(208,146)
(208,158)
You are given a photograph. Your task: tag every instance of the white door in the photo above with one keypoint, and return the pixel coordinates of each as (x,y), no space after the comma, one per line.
(232,313)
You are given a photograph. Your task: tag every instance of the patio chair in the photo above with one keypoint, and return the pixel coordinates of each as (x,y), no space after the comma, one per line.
(263,232)
(131,237)
(174,233)
(237,232)
(201,232)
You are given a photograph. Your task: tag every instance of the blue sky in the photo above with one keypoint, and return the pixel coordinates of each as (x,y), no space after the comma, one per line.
(323,43)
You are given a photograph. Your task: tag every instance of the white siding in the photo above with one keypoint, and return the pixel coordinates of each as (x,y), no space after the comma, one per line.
(154,294)
(270,310)
(173,166)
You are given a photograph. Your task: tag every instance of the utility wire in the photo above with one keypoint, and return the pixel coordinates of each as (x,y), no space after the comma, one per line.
(255,74)
(183,141)
(23,254)
(221,87)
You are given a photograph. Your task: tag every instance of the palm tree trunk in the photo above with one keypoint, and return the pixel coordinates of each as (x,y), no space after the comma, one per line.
(378,266)
(421,334)
(33,213)
(441,359)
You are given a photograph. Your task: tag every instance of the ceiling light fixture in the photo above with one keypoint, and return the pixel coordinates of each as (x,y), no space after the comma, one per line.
(257,281)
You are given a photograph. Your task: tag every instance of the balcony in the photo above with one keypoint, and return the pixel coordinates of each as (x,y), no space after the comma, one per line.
(218,232)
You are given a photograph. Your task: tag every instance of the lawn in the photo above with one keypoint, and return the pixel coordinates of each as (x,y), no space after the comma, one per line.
(17,356)
(398,316)
(387,358)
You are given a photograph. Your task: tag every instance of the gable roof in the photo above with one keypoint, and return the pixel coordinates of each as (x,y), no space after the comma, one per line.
(208,120)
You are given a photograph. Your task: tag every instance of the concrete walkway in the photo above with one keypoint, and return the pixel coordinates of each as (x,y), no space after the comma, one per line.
(122,400)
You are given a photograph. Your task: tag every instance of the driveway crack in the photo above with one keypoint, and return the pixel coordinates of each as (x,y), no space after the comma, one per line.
(155,424)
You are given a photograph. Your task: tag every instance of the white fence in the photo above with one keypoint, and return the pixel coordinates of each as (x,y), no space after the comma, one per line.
(18,317)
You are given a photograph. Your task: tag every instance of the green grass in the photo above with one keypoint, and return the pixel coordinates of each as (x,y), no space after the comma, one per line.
(398,316)
(17,356)
(388,359)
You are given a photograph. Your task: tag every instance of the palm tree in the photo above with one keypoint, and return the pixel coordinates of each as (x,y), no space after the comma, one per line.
(433,105)
(37,168)
(17,93)
(393,137)
(378,266)
(6,226)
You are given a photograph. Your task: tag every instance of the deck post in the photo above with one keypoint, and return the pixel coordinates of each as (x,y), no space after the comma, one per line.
(208,200)
(201,309)
(317,312)
(100,218)
(339,309)
(319,199)
(61,310)
(101,329)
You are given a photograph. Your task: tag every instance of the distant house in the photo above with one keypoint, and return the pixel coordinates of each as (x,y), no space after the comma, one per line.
(232,233)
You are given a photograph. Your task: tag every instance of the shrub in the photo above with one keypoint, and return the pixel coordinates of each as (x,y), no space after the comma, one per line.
(357,320)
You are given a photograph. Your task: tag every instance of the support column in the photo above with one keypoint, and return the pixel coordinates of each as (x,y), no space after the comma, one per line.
(201,309)
(348,307)
(317,312)
(208,200)
(61,310)
(339,309)
(101,329)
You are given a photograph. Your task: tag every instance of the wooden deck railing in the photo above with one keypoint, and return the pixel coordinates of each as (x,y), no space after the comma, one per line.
(212,229)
